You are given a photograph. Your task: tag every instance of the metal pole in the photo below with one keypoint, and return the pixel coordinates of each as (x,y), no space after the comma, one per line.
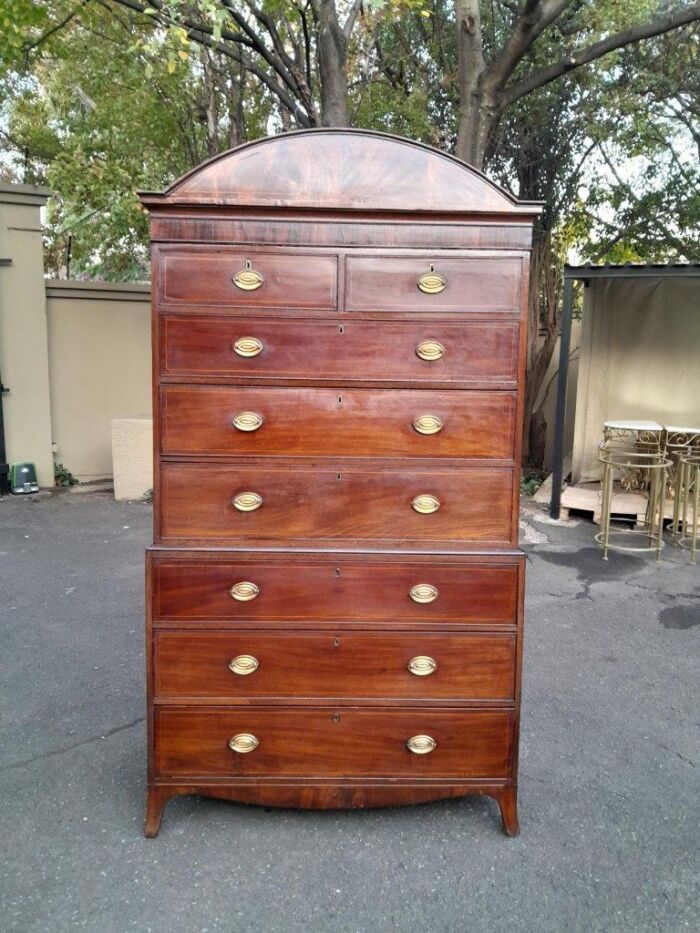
(4,466)
(564,349)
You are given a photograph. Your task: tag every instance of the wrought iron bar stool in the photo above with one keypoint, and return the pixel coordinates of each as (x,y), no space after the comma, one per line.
(635,451)
(689,510)
(681,442)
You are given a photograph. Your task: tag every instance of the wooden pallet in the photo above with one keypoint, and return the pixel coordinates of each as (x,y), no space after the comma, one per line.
(587,497)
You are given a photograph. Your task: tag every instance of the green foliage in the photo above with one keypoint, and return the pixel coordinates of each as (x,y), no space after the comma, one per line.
(63,476)
(124,120)
(530,481)
(97,102)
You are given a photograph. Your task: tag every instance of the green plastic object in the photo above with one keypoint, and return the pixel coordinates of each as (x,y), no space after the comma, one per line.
(23,478)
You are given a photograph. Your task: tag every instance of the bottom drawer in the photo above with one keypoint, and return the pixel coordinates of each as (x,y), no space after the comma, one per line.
(326,742)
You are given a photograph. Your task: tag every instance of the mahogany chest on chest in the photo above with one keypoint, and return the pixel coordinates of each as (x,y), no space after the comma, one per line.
(334,594)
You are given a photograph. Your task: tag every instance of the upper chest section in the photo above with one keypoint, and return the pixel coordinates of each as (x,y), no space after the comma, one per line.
(338,221)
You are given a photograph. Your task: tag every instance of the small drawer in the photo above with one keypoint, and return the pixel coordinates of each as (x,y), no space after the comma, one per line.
(325,742)
(225,503)
(307,422)
(432,283)
(331,589)
(242,666)
(260,349)
(237,278)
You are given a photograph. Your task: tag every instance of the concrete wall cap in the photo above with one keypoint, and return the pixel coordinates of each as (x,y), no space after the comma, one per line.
(104,291)
(12,193)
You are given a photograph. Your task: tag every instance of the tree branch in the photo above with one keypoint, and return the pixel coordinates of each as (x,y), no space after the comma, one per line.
(55,28)
(352,18)
(295,80)
(598,49)
(535,17)
(276,63)
(203,35)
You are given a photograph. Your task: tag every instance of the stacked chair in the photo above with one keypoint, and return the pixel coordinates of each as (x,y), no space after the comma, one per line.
(662,461)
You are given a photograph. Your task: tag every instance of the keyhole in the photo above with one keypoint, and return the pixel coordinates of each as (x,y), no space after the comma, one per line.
(336,642)
(339,476)
(432,267)
(341,329)
(340,399)
(248,264)
(337,571)
(336,717)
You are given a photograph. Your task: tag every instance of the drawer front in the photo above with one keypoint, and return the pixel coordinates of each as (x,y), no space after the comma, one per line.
(337,422)
(261,348)
(243,665)
(335,591)
(329,743)
(378,283)
(235,278)
(230,503)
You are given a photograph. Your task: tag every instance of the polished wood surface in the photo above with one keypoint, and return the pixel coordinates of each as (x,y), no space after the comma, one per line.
(328,583)
(335,591)
(390,284)
(474,667)
(292,228)
(333,743)
(476,354)
(306,422)
(206,277)
(317,504)
(346,170)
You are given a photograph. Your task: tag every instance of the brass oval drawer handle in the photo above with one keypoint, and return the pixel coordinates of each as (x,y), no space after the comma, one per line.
(244,591)
(424,593)
(428,424)
(247,501)
(247,421)
(243,743)
(430,350)
(422,665)
(244,664)
(247,278)
(248,346)
(425,504)
(431,282)
(421,744)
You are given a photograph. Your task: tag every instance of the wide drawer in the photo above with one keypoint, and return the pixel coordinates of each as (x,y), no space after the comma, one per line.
(250,665)
(324,742)
(337,422)
(210,502)
(335,589)
(261,348)
(382,283)
(237,278)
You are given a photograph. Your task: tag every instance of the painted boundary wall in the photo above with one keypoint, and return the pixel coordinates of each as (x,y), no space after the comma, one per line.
(73,355)
(99,361)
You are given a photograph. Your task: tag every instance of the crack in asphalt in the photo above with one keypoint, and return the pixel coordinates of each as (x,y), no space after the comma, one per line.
(69,748)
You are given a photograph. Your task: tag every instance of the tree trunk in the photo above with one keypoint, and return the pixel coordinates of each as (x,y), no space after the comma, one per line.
(542,334)
(209,103)
(477,110)
(477,120)
(332,63)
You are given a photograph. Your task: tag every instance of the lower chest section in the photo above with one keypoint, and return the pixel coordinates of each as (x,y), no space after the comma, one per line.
(337,666)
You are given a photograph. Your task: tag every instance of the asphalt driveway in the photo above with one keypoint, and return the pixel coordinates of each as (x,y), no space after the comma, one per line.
(610,764)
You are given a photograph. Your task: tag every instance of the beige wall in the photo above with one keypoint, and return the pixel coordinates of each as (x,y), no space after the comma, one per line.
(640,360)
(99,368)
(23,336)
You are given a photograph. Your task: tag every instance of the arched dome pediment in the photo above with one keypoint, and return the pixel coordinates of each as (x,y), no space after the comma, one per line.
(344,170)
